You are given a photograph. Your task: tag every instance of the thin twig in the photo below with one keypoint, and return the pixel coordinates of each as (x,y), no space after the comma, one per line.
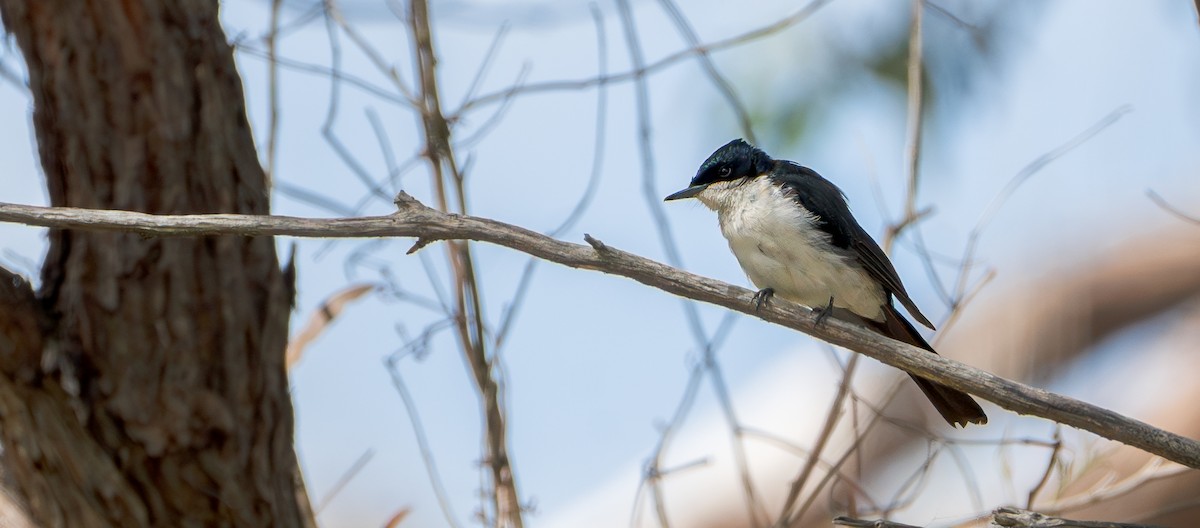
(826,432)
(486,63)
(327,72)
(273,90)
(1051,463)
(552,86)
(414,418)
(372,54)
(488,370)
(332,112)
(1162,202)
(710,68)
(589,191)
(1017,518)
(758,515)
(837,467)
(652,474)
(342,481)
(910,488)
(799,451)
(1154,470)
(468,304)
(912,154)
(1020,178)
(666,238)
(864,523)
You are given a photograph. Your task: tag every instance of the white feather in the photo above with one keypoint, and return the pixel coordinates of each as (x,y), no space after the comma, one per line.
(778,246)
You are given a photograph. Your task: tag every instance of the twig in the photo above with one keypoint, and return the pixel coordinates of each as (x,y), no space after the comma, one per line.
(1050,465)
(326,72)
(835,470)
(486,63)
(372,54)
(331,113)
(435,480)
(653,475)
(551,86)
(347,476)
(831,419)
(1107,490)
(589,191)
(654,204)
(417,220)
(273,90)
(710,68)
(790,447)
(863,523)
(314,199)
(1020,178)
(1162,202)
(1018,518)
(912,153)
(721,390)
(469,313)
(910,488)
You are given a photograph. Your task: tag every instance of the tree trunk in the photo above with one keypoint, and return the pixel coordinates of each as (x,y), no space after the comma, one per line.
(143,384)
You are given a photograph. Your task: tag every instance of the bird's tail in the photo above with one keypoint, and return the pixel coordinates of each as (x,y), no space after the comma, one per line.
(957,407)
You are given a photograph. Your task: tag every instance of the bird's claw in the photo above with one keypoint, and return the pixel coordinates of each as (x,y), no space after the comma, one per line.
(761,297)
(821,313)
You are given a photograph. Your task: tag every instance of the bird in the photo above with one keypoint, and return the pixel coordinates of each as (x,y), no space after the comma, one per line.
(794,236)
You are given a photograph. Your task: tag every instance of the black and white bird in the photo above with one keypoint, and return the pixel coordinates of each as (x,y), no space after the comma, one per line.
(792,232)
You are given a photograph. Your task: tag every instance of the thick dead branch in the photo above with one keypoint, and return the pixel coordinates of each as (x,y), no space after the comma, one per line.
(417,220)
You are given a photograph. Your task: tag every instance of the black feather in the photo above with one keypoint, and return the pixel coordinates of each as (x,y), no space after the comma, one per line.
(827,202)
(957,407)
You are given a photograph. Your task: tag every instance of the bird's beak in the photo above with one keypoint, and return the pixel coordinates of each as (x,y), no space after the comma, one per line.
(686,193)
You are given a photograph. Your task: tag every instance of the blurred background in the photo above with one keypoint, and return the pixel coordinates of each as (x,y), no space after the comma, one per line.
(1058,179)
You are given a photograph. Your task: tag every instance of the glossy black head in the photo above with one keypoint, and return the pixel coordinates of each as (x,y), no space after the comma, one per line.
(734,161)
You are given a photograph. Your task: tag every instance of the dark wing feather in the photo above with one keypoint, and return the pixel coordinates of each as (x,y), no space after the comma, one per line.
(826,201)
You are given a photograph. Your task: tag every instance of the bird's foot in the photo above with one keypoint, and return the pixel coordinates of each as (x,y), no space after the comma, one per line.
(761,297)
(821,313)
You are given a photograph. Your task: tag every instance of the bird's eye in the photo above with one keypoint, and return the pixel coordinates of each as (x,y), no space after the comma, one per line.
(724,172)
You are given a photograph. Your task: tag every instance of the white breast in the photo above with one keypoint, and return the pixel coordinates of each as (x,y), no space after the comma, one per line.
(778,246)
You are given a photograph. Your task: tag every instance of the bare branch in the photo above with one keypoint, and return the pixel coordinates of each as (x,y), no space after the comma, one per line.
(414,418)
(416,220)
(862,523)
(1018,518)
(756,514)
(1050,465)
(273,90)
(826,432)
(1162,202)
(1108,490)
(800,15)
(342,481)
(710,68)
(1020,178)
(912,153)
(468,316)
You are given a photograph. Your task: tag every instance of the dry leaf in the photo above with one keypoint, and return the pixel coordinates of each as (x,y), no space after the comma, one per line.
(321,318)
(399,516)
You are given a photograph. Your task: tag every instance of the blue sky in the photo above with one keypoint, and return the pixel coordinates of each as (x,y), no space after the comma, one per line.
(597,363)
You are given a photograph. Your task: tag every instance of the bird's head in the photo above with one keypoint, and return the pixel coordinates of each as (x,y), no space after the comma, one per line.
(737,161)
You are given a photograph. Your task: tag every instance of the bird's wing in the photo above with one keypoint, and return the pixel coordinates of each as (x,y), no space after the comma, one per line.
(825,200)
